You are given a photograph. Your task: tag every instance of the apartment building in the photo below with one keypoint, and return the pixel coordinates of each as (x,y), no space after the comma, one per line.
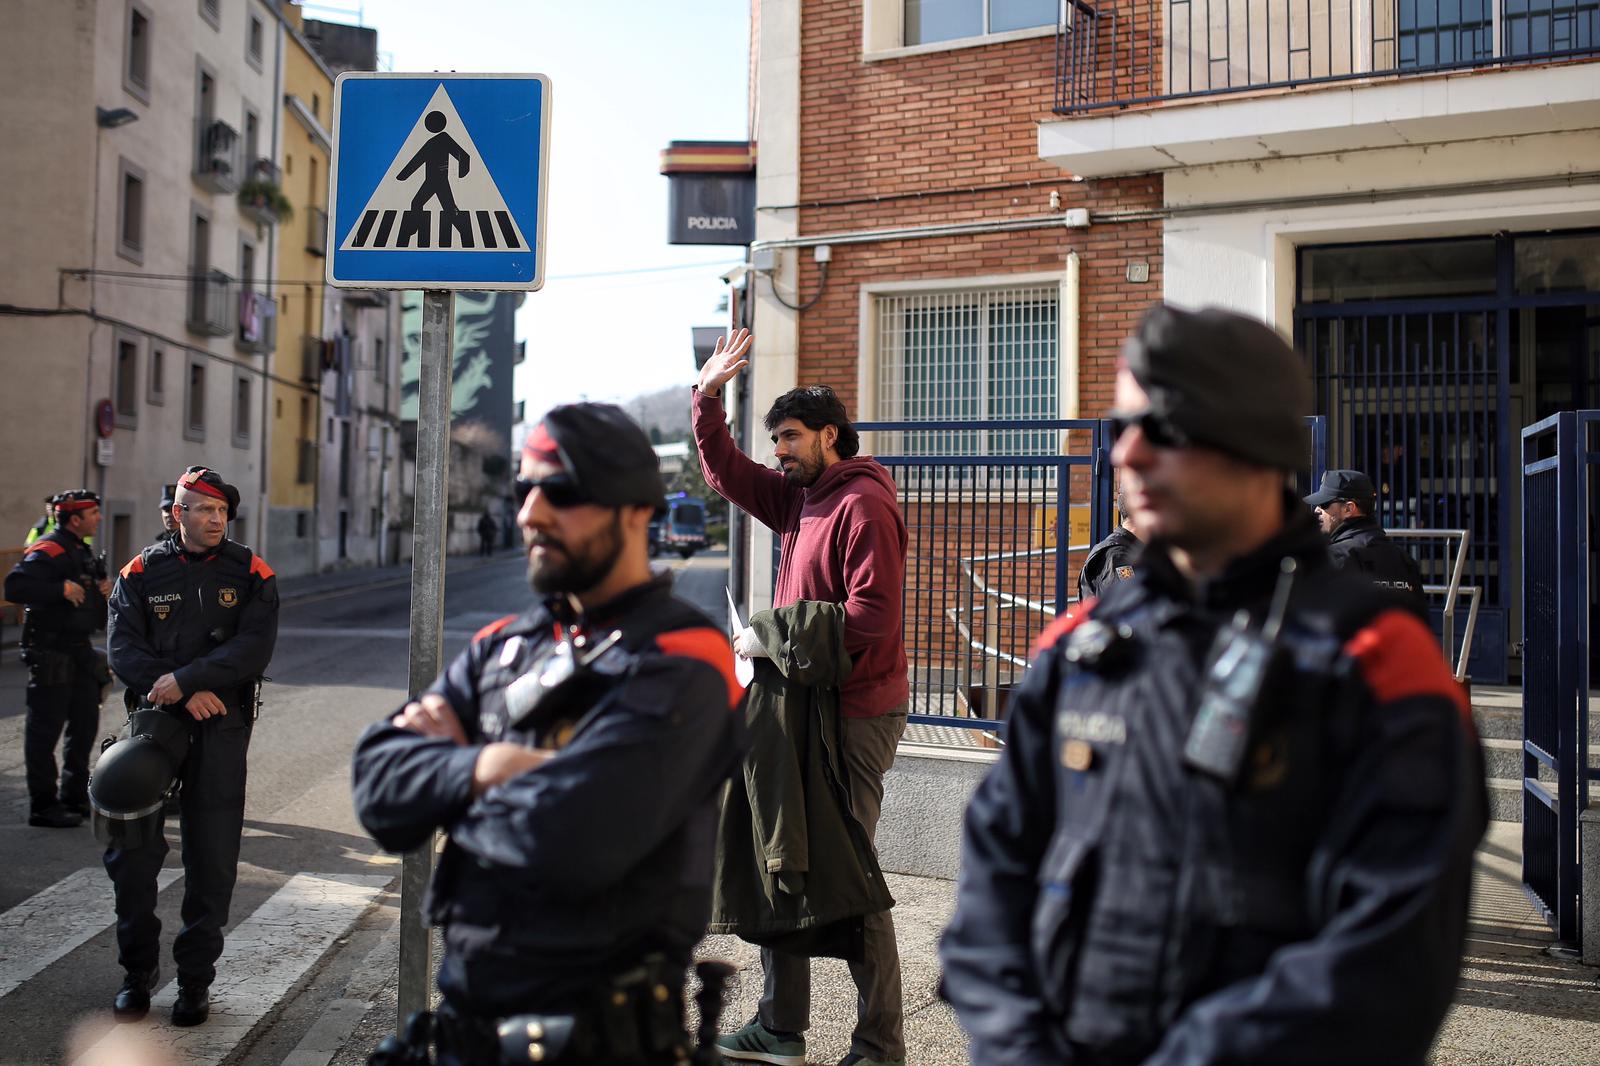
(1410,190)
(132,320)
(924,260)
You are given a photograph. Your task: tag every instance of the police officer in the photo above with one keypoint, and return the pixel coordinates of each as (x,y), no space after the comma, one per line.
(169,518)
(1344,503)
(1235,816)
(194,618)
(580,813)
(1111,560)
(64,587)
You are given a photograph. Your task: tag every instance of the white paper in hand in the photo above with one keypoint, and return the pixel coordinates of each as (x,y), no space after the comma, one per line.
(743,669)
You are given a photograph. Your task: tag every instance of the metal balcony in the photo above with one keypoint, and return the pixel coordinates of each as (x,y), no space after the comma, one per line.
(258,323)
(216,164)
(317,231)
(262,188)
(1122,53)
(211,304)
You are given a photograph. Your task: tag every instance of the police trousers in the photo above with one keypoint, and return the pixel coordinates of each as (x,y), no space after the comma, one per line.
(869,748)
(61,697)
(211,819)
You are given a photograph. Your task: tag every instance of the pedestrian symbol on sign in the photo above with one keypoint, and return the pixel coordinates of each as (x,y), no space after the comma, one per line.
(417,205)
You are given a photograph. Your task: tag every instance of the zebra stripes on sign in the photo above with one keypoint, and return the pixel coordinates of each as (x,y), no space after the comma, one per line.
(383,229)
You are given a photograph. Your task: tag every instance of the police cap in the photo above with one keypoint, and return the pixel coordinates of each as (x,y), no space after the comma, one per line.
(208,482)
(1350,485)
(603,451)
(1224,381)
(73,500)
(169,496)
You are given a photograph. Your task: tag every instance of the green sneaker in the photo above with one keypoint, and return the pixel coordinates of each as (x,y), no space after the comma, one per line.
(756,1043)
(854,1059)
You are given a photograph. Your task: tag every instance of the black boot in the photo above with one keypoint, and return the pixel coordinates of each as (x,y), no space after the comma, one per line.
(133,1001)
(194,1004)
(54,817)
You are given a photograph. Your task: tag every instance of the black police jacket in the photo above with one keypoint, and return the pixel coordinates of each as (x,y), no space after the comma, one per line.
(1109,561)
(568,874)
(1361,545)
(210,620)
(37,581)
(1117,906)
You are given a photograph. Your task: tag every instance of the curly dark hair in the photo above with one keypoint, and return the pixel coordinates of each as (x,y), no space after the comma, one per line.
(816,406)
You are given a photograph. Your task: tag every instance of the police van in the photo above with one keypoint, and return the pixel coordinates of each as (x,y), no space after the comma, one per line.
(682,529)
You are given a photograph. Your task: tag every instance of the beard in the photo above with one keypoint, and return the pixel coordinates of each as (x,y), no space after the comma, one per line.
(804,470)
(565,568)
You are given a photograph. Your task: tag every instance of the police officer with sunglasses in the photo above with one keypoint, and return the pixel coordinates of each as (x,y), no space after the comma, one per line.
(1235,815)
(574,755)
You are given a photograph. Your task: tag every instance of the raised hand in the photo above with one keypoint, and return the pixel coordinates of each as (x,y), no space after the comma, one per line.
(727,359)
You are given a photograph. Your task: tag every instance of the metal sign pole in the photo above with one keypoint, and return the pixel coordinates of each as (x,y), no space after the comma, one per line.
(427,607)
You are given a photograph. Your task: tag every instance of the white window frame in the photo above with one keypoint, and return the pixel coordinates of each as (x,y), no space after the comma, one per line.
(126,418)
(133,253)
(883,34)
(192,432)
(254,24)
(869,368)
(138,91)
(156,393)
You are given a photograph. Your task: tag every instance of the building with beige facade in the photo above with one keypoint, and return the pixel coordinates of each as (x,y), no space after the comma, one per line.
(161,296)
(131,125)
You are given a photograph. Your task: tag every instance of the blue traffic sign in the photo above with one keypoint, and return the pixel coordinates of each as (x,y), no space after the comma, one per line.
(439,181)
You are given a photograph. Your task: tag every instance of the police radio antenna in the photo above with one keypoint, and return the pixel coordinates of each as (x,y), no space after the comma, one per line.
(1280,600)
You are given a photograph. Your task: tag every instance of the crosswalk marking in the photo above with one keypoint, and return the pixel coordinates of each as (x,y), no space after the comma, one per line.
(56,920)
(419,227)
(262,959)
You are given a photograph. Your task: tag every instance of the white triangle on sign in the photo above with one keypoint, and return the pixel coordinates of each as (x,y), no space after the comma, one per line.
(408,213)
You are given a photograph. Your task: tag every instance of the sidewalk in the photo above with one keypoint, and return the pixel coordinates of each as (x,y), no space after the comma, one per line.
(306,586)
(1515,1004)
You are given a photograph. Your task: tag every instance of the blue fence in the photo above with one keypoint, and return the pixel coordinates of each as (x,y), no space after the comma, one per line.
(1558,599)
(1000,516)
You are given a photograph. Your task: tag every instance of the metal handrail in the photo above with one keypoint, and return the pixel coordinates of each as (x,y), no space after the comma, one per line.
(1452,592)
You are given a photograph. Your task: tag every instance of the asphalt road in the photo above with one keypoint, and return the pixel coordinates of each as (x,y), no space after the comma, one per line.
(314,897)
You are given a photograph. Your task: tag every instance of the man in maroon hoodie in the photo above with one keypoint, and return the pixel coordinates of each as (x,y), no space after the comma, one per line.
(843,541)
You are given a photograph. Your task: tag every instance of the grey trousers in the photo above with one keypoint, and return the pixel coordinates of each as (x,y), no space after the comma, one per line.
(869,747)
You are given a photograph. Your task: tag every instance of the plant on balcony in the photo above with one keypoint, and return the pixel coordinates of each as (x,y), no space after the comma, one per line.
(261,194)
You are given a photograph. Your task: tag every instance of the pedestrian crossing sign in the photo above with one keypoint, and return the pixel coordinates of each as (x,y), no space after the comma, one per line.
(438,181)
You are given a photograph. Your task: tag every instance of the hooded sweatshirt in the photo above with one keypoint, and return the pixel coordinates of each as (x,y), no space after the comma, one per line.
(843,541)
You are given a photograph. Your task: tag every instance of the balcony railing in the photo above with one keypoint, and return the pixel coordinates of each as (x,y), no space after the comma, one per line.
(258,323)
(211,304)
(216,164)
(317,231)
(1119,53)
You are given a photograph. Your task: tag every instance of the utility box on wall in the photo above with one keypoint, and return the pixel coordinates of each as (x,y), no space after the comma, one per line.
(711,193)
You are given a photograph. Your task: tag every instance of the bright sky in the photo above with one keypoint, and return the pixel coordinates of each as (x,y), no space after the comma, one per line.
(626,78)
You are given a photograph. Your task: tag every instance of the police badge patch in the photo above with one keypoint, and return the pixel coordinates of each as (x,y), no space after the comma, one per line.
(162,610)
(228,597)
(1124,573)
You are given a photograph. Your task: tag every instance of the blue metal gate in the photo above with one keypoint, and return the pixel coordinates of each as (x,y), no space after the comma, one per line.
(999,515)
(1557,600)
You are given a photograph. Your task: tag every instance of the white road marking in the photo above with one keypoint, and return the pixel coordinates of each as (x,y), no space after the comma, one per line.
(261,961)
(46,926)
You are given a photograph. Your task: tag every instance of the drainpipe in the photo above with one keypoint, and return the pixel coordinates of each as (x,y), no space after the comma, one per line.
(270,358)
(1069,342)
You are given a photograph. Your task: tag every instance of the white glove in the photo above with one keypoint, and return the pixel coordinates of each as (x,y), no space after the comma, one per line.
(747,644)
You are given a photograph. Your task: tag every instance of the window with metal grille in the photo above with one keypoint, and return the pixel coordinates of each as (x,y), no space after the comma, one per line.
(976,355)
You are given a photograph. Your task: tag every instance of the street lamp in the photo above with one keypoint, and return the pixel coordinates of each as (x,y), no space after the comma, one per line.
(110,118)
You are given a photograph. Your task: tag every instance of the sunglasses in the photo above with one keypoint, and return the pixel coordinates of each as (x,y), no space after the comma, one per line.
(1157,429)
(559,491)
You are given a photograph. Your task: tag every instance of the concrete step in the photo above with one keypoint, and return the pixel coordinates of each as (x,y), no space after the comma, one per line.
(1503,757)
(1505,798)
(1500,722)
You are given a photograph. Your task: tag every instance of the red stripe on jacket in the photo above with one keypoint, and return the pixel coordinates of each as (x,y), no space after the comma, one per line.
(1399,657)
(710,647)
(1063,625)
(492,628)
(49,547)
(135,566)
